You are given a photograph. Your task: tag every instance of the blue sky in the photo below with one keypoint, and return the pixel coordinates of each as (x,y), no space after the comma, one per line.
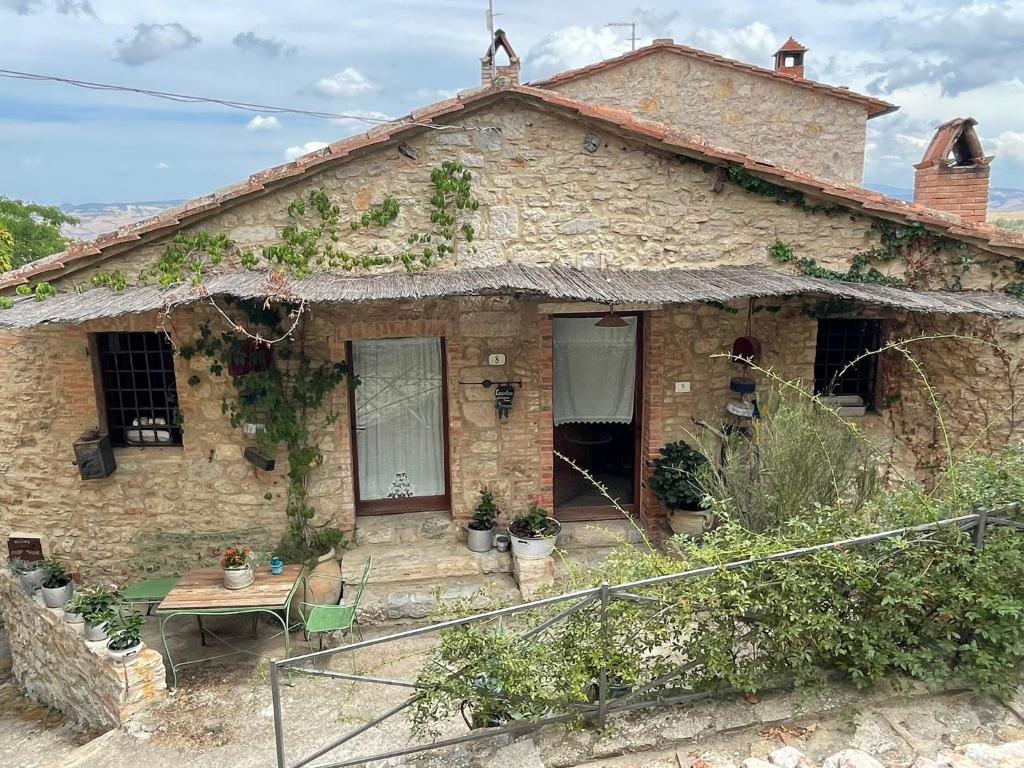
(937,59)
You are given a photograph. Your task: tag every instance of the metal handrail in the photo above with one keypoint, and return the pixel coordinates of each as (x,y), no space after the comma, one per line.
(603,594)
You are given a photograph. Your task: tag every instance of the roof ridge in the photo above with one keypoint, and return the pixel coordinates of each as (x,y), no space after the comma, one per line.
(875,107)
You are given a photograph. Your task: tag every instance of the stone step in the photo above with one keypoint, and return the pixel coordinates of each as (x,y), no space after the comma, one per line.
(430,560)
(579,556)
(417,601)
(407,528)
(598,533)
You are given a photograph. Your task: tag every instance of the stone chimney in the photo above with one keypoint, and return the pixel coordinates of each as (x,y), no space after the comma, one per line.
(953,175)
(491,70)
(789,59)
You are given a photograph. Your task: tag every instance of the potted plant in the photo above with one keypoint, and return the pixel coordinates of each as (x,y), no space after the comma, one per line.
(125,635)
(57,584)
(97,608)
(533,533)
(29,573)
(674,483)
(322,584)
(480,531)
(74,611)
(237,571)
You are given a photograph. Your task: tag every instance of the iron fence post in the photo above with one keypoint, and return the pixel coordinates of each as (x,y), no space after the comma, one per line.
(275,697)
(602,681)
(979,528)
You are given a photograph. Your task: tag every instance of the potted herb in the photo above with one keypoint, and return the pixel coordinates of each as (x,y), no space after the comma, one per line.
(533,533)
(57,584)
(237,571)
(97,606)
(29,573)
(125,635)
(480,531)
(74,611)
(674,482)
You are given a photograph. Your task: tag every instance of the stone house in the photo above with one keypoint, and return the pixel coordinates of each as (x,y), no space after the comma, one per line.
(635,217)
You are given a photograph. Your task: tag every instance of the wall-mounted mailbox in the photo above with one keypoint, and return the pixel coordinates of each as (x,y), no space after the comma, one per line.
(94,456)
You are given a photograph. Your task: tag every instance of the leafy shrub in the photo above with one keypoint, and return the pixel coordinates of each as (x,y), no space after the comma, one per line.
(799,457)
(55,575)
(124,628)
(674,480)
(486,513)
(534,523)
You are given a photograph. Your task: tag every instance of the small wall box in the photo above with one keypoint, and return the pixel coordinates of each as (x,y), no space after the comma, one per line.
(94,456)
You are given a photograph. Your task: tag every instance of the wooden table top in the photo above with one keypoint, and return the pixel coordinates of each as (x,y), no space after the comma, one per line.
(204,588)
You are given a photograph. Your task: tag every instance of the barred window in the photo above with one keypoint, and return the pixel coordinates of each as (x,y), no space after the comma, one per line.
(840,342)
(140,397)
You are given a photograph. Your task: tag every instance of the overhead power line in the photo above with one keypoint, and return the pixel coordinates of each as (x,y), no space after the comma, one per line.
(245,106)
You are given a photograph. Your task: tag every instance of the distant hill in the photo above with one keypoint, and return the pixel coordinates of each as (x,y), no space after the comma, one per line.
(1001,199)
(97,218)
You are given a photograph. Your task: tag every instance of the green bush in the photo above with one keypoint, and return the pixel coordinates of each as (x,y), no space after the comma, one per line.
(674,480)
(485,516)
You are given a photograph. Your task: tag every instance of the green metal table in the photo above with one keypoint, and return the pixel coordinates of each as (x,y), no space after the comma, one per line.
(202,593)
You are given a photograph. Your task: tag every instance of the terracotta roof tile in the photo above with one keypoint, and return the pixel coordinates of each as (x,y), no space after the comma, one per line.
(791,46)
(657,134)
(874,107)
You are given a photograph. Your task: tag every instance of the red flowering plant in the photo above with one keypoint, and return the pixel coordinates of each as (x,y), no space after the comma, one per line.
(235,557)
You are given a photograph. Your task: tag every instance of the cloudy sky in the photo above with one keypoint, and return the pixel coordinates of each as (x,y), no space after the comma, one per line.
(936,58)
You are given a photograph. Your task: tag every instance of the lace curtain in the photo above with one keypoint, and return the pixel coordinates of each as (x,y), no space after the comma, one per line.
(594,371)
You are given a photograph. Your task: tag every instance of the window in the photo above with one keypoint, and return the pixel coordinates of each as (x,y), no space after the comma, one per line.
(840,341)
(140,397)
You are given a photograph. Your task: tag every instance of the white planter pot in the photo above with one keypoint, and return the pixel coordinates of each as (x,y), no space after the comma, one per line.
(95,632)
(32,580)
(691,523)
(57,597)
(238,578)
(479,541)
(127,655)
(529,548)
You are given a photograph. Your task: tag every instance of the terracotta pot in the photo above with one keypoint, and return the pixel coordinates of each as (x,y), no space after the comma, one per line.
(238,578)
(323,585)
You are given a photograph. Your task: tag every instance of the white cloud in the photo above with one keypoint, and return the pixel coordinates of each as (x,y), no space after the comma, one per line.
(427,95)
(261,123)
(161,166)
(349,82)
(152,42)
(1009,145)
(310,146)
(360,120)
(754,43)
(573,47)
(271,47)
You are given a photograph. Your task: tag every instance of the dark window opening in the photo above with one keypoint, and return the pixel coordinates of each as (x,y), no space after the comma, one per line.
(140,396)
(840,342)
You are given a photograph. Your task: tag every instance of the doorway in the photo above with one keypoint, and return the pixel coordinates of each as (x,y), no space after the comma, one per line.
(399,419)
(596,414)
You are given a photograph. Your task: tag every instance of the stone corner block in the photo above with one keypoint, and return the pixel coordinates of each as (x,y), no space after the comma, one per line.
(533,575)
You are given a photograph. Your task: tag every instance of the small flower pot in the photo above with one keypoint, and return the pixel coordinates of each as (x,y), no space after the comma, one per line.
(479,541)
(94,633)
(534,547)
(125,656)
(31,580)
(238,578)
(57,597)
(76,620)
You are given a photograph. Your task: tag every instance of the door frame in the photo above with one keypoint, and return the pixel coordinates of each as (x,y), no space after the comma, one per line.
(409,503)
(607,512)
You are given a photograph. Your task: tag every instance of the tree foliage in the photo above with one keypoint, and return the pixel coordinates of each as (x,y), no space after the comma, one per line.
(35,230)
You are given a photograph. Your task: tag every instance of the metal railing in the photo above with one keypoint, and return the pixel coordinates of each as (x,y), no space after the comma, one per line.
(599,597)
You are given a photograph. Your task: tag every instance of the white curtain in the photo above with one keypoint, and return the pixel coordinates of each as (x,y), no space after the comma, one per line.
(595,371)
(399,428)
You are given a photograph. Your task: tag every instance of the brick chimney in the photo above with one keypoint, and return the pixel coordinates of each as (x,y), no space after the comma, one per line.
(789,59)
(953,175)
(490,70)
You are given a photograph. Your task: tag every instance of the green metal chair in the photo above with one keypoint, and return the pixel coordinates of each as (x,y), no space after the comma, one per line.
(321,619)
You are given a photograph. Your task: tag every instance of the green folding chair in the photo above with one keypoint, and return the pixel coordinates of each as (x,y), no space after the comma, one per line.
(321,619)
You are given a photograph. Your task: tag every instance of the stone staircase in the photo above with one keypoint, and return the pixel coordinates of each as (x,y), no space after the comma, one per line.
(421,565)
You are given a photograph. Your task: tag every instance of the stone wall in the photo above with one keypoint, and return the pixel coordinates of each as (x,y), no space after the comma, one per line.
(57,667)
(545,200)
(775,121)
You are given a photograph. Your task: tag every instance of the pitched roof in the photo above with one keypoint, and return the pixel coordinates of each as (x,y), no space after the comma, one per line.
(606,286)
(653,134)
(791,46)
(873,106)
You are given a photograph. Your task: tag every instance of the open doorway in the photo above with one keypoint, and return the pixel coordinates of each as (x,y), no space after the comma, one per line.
(596,413)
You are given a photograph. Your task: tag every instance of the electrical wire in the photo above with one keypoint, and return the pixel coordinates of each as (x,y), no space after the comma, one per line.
(188,99)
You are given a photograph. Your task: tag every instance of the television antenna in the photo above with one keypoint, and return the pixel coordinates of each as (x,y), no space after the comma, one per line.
(632,31)
(490,29)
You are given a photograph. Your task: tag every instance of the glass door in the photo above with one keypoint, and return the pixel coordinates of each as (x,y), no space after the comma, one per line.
(399,422)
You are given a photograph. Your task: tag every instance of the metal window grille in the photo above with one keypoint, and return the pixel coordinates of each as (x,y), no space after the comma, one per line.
(139,390)
(840,341)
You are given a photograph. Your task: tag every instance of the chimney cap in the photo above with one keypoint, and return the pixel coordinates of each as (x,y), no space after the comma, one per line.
(663,41)
(791,46)
(955,137)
